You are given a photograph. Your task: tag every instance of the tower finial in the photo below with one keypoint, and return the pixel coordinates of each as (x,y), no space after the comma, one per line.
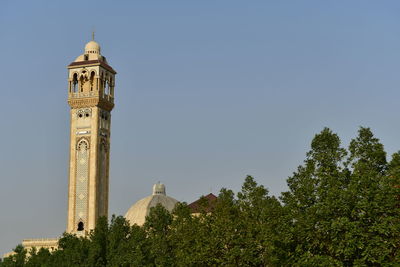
(93,35)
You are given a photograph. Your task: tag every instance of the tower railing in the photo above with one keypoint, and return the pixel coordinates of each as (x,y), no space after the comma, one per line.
(109,98)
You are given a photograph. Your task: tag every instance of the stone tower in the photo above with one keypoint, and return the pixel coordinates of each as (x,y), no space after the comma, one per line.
(91,98)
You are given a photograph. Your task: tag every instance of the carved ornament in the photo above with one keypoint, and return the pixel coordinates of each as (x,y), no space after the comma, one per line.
(90,102)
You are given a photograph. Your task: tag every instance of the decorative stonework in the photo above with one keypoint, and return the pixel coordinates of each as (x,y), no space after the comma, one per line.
(48,243)
(81,188)
(90,102)
(84,113)
(79,142)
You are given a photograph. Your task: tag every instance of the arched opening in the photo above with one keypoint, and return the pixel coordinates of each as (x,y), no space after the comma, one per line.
(82,81)
(75,83)
(91,80)
(101,84)
(111,87)
(80,226)
(107,89)
(83,144)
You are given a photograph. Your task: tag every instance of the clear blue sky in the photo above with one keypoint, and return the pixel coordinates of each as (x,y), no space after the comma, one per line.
(206,93)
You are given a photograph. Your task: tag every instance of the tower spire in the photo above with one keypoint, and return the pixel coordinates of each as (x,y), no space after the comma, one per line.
(93,35)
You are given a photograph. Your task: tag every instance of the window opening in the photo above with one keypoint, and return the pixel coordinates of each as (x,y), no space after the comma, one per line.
(91,80)
(75,83)
(80,226)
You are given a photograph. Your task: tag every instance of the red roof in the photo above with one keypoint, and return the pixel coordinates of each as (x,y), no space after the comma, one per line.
(205,202)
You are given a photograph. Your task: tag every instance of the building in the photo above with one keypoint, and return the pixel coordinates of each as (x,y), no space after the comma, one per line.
(137,212)
(91,98)
(91,82)
(204,204)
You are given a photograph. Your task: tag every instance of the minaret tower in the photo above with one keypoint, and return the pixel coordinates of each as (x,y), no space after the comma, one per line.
(91,98)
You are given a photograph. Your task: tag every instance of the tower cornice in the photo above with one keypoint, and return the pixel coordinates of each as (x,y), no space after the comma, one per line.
(88,63)
(91,102)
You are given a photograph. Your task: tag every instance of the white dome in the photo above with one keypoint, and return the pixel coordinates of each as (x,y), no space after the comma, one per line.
(137,212)
(159,189)
(92,52)
(92,47)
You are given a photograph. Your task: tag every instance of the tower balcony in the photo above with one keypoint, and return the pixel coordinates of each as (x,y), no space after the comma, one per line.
(90,99)
(94,94)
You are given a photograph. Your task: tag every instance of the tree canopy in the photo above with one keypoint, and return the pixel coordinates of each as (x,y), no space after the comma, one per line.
(341,209)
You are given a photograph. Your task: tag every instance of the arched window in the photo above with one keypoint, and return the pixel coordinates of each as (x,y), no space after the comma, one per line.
(91,80)
(111,87)
(75,83)
(83,145)
(82,81)
(101,80)
(107,89)
(80,226)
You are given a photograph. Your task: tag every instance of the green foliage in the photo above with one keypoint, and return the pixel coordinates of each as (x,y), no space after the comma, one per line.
(18,259)
(343,206)
(157,227)
(341,209)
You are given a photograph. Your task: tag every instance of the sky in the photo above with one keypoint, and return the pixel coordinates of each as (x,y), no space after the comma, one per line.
(206,93)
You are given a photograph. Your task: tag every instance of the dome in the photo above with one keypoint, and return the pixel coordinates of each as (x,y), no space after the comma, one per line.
(137,212)
(92,48)
(159,189)
(92,52)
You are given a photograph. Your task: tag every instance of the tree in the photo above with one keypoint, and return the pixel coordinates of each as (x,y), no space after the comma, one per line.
(262,218)
(374,214)
(39,258)
(157,228)
(117,239)
(341,209)
(72,251)
(184,231)
(98,247)
(17,259)
(126,245)
(341,205)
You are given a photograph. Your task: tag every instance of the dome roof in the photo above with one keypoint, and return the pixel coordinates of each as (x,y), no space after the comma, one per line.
(159,189)
(137,212)
(92,47)
(92,52)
